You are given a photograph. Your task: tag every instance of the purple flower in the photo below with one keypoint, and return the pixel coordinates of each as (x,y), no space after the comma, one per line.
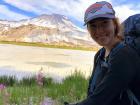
(2,87)
(40,77)
(47,101)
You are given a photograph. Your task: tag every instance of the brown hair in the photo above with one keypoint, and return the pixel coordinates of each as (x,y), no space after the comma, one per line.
(118,30)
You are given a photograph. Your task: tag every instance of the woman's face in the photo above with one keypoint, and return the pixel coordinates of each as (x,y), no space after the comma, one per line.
(102,30)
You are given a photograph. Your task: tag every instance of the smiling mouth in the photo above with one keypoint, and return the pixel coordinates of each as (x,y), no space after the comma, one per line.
(103,36)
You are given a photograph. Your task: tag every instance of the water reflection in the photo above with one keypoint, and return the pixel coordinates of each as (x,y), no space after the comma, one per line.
(19,75)
(11,71)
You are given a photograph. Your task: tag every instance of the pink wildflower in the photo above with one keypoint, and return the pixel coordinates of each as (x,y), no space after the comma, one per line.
(47,101)
(40,77)
(2,87)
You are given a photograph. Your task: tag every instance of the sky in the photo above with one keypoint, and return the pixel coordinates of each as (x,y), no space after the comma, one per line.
(74,9)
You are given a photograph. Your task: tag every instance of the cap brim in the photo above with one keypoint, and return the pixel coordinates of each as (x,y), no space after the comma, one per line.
(110,16)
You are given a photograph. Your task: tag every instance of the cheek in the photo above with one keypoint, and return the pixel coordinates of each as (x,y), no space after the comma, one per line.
(91,33)
(92,36)
(111,30)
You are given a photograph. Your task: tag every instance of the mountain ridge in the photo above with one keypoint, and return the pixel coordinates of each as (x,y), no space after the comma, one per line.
(46,29)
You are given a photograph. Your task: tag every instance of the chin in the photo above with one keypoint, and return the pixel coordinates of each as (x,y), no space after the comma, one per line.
(103,44)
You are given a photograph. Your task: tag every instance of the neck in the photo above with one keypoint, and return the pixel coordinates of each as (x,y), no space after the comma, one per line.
(108,48)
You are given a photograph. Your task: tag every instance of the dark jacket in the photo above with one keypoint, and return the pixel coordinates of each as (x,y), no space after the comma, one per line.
(122,72)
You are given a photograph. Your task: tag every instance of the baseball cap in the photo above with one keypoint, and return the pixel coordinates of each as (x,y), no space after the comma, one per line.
(99,9)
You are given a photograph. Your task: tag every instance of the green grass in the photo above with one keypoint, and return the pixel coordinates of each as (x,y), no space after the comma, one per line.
(37,44)
(72,89)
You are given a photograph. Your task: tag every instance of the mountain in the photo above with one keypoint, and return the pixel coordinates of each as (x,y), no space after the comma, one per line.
(51,29)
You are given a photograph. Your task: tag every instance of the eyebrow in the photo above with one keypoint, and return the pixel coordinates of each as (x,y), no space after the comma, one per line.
(100,21)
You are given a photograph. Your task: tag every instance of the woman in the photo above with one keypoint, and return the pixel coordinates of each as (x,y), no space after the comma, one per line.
(116,66)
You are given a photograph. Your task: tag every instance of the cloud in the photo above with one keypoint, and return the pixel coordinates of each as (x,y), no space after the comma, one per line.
(6,14)
(124,11)
(71,8)
(64,7)
(125,8)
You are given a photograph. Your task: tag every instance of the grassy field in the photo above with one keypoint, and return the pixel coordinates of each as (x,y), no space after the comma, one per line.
(28,92)
(94,48)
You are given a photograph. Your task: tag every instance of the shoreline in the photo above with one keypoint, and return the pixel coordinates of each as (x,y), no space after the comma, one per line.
(46,45)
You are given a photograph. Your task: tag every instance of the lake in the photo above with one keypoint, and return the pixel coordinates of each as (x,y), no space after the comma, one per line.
(57,63)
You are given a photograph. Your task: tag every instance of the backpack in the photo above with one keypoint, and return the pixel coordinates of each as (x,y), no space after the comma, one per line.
(132,38)
(132,32)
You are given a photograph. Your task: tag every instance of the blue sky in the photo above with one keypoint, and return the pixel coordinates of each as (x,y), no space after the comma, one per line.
(73,9)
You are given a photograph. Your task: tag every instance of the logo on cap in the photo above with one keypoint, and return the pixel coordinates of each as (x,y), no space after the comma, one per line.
(99,9)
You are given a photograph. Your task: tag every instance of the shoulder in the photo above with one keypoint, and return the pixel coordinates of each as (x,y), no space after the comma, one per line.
(126,51)
(125,56)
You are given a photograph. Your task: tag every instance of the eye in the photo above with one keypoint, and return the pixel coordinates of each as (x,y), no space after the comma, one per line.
(92,25)
(106,22)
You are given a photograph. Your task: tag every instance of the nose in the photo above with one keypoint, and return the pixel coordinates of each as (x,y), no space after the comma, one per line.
(99,30)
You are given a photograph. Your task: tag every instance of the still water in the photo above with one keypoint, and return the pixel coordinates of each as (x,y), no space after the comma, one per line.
(22,61)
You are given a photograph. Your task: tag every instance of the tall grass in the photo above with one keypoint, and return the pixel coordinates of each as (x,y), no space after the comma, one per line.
(27,92)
